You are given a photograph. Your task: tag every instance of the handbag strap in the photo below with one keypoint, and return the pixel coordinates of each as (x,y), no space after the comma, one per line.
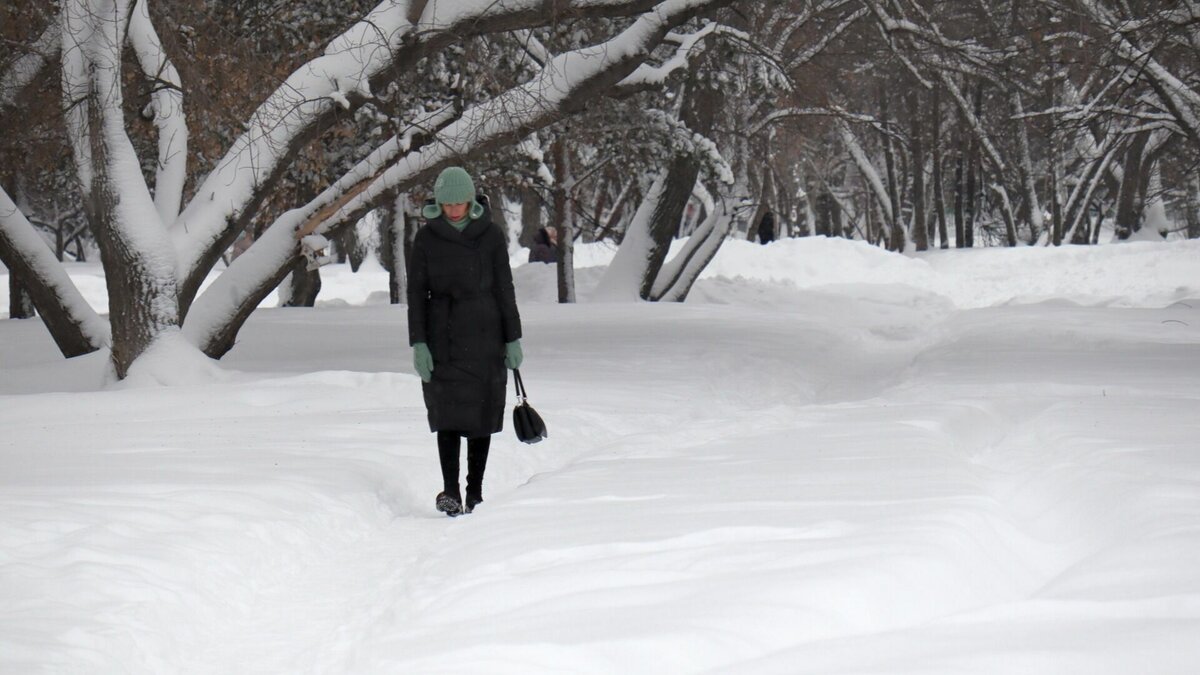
(518,384)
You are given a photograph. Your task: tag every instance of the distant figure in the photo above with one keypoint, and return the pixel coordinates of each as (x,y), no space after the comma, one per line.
(766,228)
(545,246)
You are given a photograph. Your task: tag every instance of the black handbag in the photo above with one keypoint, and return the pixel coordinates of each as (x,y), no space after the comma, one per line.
(528,424)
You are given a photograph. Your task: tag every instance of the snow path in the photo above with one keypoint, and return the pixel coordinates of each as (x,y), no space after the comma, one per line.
(845,483)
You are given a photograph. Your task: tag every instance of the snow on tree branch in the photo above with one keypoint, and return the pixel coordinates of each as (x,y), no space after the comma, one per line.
(392,34)
(24,251)
(647,76)
(850,140)
(166,106)
(567,81)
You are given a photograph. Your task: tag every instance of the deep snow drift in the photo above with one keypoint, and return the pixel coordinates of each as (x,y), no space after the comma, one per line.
(830,460)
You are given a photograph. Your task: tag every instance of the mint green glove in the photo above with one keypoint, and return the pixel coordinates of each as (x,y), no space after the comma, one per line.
(423,361)
(512,355)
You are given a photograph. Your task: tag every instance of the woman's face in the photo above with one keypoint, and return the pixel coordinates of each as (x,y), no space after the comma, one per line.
(455,211)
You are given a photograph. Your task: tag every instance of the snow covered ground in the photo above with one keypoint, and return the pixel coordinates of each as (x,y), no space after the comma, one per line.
(830,460)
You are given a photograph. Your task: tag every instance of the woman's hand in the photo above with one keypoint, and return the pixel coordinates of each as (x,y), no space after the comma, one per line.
(423,361)
(512,355)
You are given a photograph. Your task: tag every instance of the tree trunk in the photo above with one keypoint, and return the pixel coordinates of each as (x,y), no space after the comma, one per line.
(20,303)
(894,228)
(972,195)
(303,285)
(920,231)
(563,220)
(1056,214)
(393,223)
(960,188)
(531,216)
(74,326)
(824,213)
(143,299)
(1193,207)
(939,197)
(1031,204)
(1129,211)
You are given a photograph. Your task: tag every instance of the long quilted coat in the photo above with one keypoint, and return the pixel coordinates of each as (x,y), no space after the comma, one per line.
(462,304)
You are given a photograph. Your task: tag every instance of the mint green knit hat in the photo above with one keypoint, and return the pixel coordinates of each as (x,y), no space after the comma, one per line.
(454,186)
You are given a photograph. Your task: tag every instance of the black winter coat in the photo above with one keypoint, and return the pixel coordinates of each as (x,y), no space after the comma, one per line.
(462,304)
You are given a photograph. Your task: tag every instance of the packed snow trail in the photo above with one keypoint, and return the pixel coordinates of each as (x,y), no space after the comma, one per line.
(861,479)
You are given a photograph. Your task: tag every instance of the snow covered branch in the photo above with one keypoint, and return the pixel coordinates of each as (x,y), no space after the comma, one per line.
(850,140)
(394,34)
(73,324)
(650,77)
(566,83)
(166,106)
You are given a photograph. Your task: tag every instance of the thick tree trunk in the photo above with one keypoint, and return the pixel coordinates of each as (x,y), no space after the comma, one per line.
(1129,207)
(303,286)
(826,205)
(143,297)
(698,112)
(679,275)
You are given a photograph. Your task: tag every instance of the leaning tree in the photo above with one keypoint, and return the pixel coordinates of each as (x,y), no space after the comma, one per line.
(159,244)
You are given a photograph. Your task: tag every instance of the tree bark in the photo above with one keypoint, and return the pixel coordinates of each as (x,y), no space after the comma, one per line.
(1129,211)
(920,231)
(20,303)
(1193,208)
(303,286)
(698,113)
(531,216)
(895,229)
(960,188)
(563,217)
(939,198)
(393,243)
(143,297)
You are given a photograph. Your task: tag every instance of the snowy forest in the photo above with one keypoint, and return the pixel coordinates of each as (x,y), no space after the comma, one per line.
(179,138)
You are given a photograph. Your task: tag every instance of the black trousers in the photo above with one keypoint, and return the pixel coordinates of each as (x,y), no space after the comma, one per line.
(449,449)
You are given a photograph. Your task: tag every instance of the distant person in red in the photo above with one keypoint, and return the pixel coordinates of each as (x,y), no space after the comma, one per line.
(766,228)
(545,245)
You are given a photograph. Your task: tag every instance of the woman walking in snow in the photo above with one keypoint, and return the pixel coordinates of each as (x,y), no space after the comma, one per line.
(464,329)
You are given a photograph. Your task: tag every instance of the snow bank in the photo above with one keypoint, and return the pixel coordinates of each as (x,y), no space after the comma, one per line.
(1139,274)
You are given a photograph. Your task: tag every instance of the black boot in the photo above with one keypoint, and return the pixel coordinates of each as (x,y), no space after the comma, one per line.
(477,455)
(449,504)
(449,500)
